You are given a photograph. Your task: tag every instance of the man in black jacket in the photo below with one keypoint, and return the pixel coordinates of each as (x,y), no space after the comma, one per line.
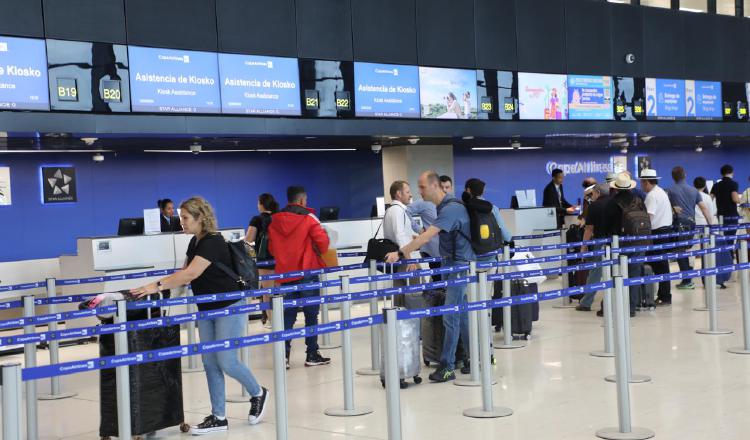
(554,197)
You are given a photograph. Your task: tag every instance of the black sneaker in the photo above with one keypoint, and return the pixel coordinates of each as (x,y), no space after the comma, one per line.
(442,374)
(210,424)
(600,313)
(466,369)
(314,359)
(663,302)
(581,308)
(257,407)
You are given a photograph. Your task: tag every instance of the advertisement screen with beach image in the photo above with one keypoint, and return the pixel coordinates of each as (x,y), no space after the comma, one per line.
(590,97)
(543,96)
(448,93)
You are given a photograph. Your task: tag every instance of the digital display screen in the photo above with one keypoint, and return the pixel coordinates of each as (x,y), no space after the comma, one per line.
(590,97)
(312,99)
(23,74)
(174,81)
(259,85)
(386,90)
(97,73)
(507,92)
(665,98)
(343,101)
(703,100)
(447,93)
(486,106)
(543,96)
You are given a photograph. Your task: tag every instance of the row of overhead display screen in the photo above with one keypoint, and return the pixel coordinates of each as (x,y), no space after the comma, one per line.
(102,77)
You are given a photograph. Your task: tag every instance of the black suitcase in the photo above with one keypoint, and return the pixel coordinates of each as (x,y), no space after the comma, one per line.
(522,316)
(647,292)
(155,387)
(433,331)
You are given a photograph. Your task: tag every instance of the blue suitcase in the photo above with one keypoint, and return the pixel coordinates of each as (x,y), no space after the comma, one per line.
(724,259)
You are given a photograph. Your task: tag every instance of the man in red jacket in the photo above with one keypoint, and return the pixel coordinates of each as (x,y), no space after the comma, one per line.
(297,240)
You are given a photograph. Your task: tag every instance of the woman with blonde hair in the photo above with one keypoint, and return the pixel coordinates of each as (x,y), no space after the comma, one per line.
(206,248)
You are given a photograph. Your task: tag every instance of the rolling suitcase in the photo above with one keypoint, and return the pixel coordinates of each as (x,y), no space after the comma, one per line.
(408,352)
(647,292)
(433,331)
(522,316)
(723,259)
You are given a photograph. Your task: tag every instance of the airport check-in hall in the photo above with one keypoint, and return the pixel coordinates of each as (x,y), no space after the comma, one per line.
(374,219)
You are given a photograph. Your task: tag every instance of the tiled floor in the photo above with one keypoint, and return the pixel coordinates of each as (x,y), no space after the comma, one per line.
(556,390)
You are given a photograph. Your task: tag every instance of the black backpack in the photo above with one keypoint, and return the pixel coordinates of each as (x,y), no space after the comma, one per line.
(635,220)
(261,240)
(486,235)
(244,271)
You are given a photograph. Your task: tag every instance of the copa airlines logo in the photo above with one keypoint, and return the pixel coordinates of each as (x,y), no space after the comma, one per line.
(181,58)
(393,72)
(583,167)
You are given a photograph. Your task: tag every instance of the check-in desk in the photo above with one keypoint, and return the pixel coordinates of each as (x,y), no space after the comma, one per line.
(106,256)
(533,221)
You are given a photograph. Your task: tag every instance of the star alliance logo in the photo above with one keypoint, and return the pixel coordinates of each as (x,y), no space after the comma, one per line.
(59,184)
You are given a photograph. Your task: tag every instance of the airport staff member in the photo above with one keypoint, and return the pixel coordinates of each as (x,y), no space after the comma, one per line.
(169,223)
(554,197)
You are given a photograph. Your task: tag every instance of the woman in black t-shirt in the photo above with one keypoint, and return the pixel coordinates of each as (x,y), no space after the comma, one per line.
(257,235)
(206,248)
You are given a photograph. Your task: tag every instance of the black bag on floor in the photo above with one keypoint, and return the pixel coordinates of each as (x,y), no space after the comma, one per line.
(522,316)
(433,331)
(155,387)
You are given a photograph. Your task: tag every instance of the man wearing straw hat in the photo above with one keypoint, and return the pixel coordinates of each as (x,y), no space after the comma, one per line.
(660,211)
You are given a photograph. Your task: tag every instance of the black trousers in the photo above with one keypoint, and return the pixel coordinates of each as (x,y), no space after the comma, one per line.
(662,267)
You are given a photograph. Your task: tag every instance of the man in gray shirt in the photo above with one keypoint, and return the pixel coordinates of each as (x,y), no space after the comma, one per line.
(684,198)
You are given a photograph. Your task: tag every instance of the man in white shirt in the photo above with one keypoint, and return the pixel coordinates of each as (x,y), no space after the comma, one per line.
(397,227)
(660,212)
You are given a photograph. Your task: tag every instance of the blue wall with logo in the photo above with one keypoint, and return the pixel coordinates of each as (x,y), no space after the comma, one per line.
(506,171)
(123,186)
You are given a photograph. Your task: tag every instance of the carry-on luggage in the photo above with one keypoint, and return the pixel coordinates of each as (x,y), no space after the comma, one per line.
(574,234)
(408,352)
(724,259)
(522,316)
(647,292)
(433,331)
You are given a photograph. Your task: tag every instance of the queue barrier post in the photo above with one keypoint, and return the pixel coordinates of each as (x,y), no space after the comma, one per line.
(609,341)
(244,395)
(565,302)
(122,374)
(325,341)
(279,368)
(473,380)
(487,410)
(10,384)
(705,263)
(349,410)
(632,378)
(374,369)
(508,343)
(713,316)
(54,349)
(745,293)
(190,326)
(624,430)
(392,380)
(29,359)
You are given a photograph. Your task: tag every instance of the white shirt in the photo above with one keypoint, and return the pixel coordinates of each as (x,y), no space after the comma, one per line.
(700,219)
(659,208)
(397,226)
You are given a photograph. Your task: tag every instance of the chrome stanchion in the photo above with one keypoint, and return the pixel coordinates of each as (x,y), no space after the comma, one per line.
(633,378)
(624,431)
(609,341)
(392,380)
(473,380)
(565,301)
(325,341)
(508,342)
(374,369)
(713,316)
(348,409)
(10,383)
(29,361)
(244,395)
(487,410)
(122,374)
(745,293)
(190,326)
(54,349)
(705,263)
(279,368)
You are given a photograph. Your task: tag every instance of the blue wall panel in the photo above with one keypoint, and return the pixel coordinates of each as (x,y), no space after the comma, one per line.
(125,185)
(505,171)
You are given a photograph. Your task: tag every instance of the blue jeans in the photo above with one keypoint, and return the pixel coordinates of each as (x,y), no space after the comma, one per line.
(595,276)
(454,323)
(224,362)
(310,312)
